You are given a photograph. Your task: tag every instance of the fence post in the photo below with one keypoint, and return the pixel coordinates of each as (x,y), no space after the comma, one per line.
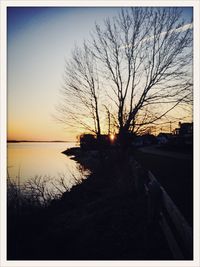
(140,176)
(154,201)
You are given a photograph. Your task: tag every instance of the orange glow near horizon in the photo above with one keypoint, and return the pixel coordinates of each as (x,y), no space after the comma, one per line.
(36,54)
(35,132)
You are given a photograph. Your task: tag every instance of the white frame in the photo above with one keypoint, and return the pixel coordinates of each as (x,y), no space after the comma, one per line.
(3,134)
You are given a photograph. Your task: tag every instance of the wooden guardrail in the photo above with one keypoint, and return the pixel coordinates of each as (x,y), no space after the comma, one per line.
(162,210)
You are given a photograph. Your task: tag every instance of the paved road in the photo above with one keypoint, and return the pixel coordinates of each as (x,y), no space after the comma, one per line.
(175,173)
(156,151)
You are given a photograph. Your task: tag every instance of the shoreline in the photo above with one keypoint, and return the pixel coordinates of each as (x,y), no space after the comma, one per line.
(101,218)
(88,159)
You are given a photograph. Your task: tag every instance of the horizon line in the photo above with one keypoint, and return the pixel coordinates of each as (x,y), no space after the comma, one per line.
(41,141)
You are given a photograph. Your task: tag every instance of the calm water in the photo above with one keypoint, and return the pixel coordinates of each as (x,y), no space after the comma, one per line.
(27,160)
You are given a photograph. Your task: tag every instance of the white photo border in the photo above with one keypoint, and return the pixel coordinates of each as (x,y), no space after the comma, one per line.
(3,127)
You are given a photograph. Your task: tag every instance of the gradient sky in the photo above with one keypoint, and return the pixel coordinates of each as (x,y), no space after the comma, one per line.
(39,41)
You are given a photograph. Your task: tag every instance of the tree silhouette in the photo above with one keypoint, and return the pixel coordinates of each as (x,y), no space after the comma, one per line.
(141,63)
(81,92)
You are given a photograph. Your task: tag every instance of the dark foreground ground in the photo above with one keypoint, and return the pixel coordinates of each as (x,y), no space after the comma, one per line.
(104,218)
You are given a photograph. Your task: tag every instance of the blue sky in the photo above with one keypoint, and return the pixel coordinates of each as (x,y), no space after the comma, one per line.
(39,41)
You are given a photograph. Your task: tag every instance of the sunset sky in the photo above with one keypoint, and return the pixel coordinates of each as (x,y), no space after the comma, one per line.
(39,39)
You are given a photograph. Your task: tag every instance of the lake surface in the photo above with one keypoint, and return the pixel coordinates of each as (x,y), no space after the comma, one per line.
(27,160)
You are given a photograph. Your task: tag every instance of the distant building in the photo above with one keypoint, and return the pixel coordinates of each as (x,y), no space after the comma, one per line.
(184,134)
(163,138)
(185,129)
(144,140)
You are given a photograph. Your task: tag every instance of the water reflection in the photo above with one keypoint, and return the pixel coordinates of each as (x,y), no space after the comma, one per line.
(27,160)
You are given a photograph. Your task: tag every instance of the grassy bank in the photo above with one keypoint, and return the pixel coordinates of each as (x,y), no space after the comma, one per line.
(103,218)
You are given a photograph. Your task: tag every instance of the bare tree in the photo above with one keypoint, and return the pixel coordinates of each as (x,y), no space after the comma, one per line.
(141,62)
(81,91)
(145,54)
